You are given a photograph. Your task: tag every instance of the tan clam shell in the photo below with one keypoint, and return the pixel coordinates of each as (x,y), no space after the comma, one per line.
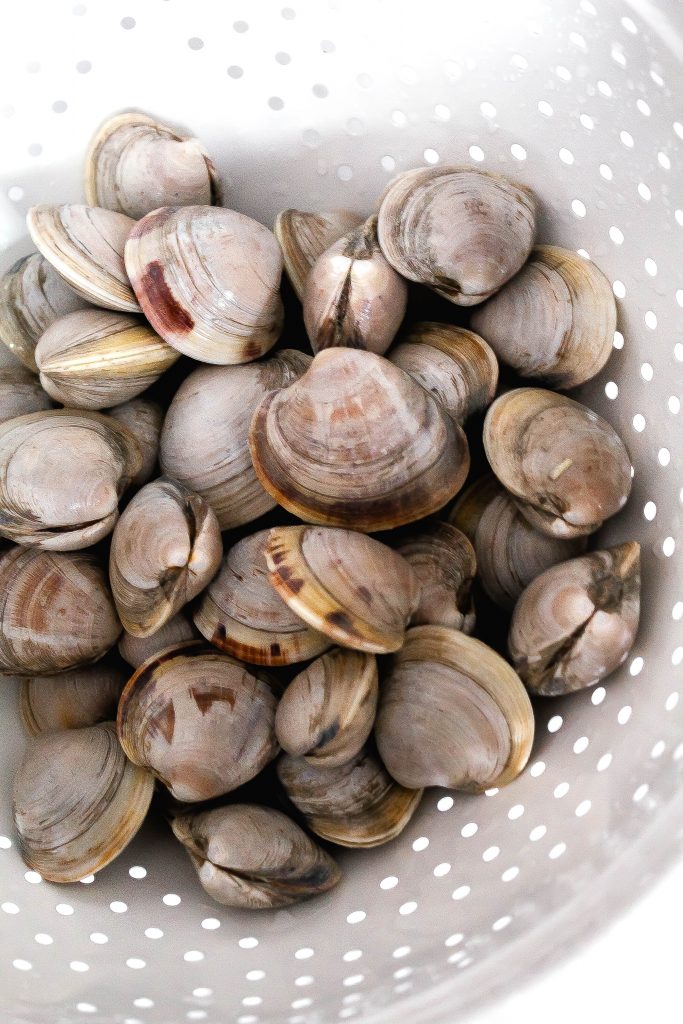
(165,549)
(77,802)
(254,857)
(576,622)
(444,562)
(452,713)
(554,320)
(567,467)
(85,246)
(356,804)
(144,419)
(510,552)
(20,393)
(356,442)
(304,236)
(208,281)
(71,700)
(204,441)
(462,231)
(455,366)
(240,612)
(32,296)
(199,720)
(135,164)
(61,476)
(327,712)
(136,649)
(353,588)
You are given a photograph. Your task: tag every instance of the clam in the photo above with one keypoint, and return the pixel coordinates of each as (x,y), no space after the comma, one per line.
(461,231)
(20,393)
(136,649)
(455,366)
(566,467)
(356,442)
(143,418)
(204,441)
(61,476)
(576,622)
(85,246)
(241,613)
(32,296)
(199,720)
(207,280)
(554,320)
(350,587)
(57,611)
(356,804)
(452,713)
(327,712)
(305,236)
(166,547)
(71,700)
(254,857)
(135,164)
(77,802)
(444,562)
(353,297)
(510,552)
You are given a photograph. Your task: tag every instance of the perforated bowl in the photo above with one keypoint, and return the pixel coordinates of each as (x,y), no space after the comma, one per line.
(318,105)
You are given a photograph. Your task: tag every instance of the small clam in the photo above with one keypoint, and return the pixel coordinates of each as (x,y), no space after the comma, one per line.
(20,393)
(356,442)
(349,586)
(85,246)
(32,296)
(241,613)
(455,366)
(166,547)
(199,720)
(135,164)
(57,612)
(566,467)
(136,649)
(305,236)
(444,562)
(554,320)
(353,297)
(61,476)
(143,418)
(204,441)
(208,281)
(452,713)
(327,712)
(510,553)
(576,622)
(356,804)
(254,857)
(462,231)
(71,700)
(77,802)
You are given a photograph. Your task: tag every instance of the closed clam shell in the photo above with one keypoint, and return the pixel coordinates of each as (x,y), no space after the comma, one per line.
(510,552)
(242,614)
(71,700)
(304,236)
(208,281)
(61,476)
(327,712)
(20,393)
(576,622)
(461,231)
(57,611)
(204,441)
(77,802)
(455,366)
(452,713)
(136,649)
(555,319)
(135,164)
(356,804)
(567,468)
(165,549)
(445,564)
(32,296)
(85,246)
(356,442)
(254,857)
(201,721)
(352,588)
(144,419)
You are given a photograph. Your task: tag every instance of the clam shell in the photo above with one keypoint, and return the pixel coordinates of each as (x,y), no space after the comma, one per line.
(305,236)
(20,393)
(136,649)
(444,562)
(144,419)
(71,700)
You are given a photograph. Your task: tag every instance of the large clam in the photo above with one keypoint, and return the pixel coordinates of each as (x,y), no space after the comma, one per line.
(71,700)
(143,418)
(20,393)
(136,649)
(304,236)
(444,562)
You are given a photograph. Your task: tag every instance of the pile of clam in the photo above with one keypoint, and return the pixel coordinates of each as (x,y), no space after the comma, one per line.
(193,591)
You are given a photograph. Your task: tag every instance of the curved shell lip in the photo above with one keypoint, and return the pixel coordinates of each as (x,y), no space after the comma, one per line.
(275,651)
(341,830)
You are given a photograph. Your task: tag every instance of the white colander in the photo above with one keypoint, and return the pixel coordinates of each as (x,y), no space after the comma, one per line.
(317,105)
